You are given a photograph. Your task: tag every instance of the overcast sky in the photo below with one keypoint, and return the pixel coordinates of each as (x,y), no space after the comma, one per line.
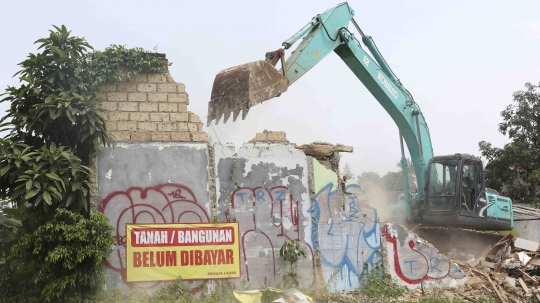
(462,60)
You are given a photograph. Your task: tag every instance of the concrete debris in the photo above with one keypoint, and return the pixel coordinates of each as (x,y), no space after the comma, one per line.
(327,154)
(526,244)
(505,272)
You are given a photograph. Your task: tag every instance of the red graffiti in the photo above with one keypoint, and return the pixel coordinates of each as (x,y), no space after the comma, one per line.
(164,203)
(416,261)
(267,217)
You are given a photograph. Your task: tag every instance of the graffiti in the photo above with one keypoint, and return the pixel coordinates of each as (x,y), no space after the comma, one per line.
(165,203)
(412,261)
(348,240)
(268,217)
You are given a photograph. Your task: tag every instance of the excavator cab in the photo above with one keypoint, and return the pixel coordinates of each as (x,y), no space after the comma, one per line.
(456,196)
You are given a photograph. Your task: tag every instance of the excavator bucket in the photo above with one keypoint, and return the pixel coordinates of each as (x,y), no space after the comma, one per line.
(241,87)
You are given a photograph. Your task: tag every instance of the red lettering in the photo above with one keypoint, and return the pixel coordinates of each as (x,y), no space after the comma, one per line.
(184,258)
(145,259)
(198,257)
(160,255)
(214,256)
(152,263)
(207,258)
(221,257)
(136,259)
(230,259)
(171,258)
(190,257)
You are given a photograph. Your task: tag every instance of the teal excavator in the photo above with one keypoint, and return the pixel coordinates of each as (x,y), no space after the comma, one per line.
(451,189)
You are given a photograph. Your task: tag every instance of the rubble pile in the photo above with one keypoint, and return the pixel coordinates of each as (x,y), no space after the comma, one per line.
(509,271)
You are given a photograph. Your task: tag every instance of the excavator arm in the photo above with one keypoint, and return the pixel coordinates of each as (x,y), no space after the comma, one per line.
(244,86)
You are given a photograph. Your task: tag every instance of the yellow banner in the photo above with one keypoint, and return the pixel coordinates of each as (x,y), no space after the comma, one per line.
(162,252)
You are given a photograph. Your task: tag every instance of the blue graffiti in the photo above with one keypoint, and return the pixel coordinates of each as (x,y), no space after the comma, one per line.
(410,262)
(345,233)
(281,196)
(434,266)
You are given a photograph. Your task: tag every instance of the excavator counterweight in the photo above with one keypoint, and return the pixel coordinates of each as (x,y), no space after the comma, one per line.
(239,88)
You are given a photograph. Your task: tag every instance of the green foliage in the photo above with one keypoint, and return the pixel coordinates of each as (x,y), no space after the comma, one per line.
(55,123)
(53,177)
(180,292)
(290,252)
(69,250)
(58,101)
(268,295)
(117,63)
(379,289)
(514,170)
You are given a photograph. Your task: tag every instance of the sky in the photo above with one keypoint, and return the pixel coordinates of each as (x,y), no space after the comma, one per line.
(461,60)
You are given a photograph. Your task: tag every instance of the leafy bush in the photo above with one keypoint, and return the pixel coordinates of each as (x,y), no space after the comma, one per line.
(69,250)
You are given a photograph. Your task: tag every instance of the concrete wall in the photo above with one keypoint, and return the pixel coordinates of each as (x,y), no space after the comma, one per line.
(264,187)
(529,230)
(413,262)
(151,183)
(348,239)
(163,171)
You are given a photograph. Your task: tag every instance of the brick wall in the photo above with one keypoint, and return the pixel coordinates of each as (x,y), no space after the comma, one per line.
(150,108)
(270,137)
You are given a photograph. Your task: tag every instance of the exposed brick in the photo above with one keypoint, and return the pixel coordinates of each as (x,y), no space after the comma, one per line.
(161,137)
(138,116)
(181,87)
(159,117)
(137,96)
(193,117)
(157,97)
(127,87)
(182,107)
(110,125)
(116,96)
(194,127)
(140,137)
(168,107)
(139,78)
(179,117)
(169,78)
(182,126)
(107,87)
(181,136)
(157,78)
(179,97)
(277,136)
(260,137)
(128,106)
(199,137)
(118,116)
(126,125)
(120,136)
(148,107)
(147,126)
(108,105)
(102,97)
(167,87)
(166,127)
(146,87)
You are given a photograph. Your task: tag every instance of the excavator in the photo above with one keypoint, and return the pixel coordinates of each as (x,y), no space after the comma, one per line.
(451,189)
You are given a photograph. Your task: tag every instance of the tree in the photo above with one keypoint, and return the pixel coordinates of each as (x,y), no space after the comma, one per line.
(514,170)
(55,123)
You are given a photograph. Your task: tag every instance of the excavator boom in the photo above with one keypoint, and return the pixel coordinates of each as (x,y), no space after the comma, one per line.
(440,198)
